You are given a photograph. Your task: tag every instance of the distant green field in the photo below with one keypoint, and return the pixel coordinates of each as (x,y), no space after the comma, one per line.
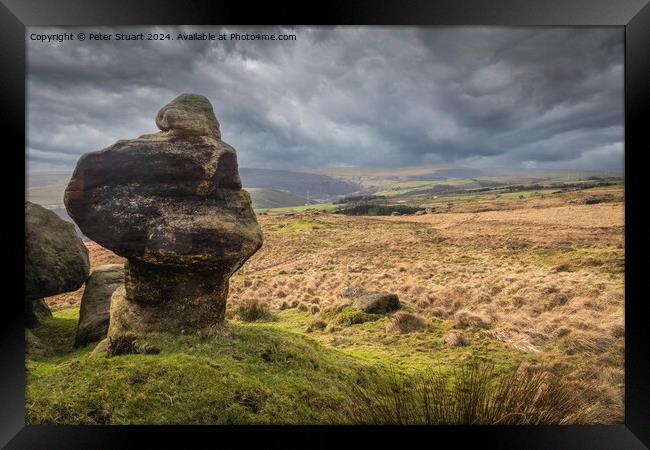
(316,206)
(421,185)
(416,187)
(474,196)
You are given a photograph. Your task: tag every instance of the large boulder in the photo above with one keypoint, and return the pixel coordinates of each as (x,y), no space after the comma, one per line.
(171,203)
(56,259)
(96,303)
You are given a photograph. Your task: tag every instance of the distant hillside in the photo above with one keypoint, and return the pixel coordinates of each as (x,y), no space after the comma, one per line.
(283,188)
(443,174)
(316,186)
(378,179)
(274,198)
(41,179)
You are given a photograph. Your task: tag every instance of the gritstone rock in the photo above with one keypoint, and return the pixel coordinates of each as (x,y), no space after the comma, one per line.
(56,259)
(96,303)
(377,302)
(172,204)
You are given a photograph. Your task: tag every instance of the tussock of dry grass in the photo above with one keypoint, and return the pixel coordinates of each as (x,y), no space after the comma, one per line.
(455,339)
(476,395)
(405,322)
(252,310)
(467,319)
(588,343)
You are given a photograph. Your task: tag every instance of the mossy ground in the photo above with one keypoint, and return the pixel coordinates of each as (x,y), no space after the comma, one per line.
(348,316)
(239,373)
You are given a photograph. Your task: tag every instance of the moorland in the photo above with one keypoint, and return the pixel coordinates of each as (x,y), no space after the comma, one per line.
(502,272)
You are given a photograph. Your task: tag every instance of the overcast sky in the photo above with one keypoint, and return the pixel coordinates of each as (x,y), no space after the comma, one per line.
(347,96)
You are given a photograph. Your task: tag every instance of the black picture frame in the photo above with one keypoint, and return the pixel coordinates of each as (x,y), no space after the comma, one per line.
(633,15)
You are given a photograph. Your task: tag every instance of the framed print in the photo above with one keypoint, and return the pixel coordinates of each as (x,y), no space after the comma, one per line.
(365,218)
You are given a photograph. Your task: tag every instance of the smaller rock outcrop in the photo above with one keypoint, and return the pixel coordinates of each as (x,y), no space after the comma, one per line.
(56,259)
(96,303)
(372,302)
(377,302)
(592,200)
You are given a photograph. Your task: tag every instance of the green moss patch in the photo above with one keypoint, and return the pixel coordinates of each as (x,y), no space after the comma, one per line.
(348,316)
(237,373)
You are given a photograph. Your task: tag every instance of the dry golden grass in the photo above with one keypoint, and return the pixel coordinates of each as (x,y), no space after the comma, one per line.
(405,322)
(252,310)
(545,276)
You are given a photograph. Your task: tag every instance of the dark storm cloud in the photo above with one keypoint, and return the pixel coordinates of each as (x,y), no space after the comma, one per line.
(369,96)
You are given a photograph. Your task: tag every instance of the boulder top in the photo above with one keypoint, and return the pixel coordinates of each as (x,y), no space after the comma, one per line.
(189,115)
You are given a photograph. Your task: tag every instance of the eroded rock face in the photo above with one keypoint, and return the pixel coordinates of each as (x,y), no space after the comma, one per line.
(189,115)
(172,204)
(56,260)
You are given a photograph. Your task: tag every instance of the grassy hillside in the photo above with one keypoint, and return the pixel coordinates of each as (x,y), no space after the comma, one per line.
(385,179)
(274,198)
